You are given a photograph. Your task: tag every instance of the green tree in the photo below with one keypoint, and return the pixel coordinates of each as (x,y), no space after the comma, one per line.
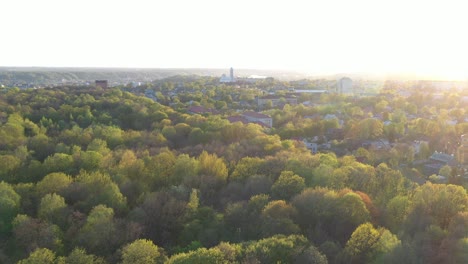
(201,255)
(245,168)
(40,256)
(162,215)
(98,145)
(213,175)
(90,160)
(9,206)
(186,171)
(91,189)
(389,183)
(277,218)
(351,213)
(99,233)
(12,132)
(287,186)
(368,245)
(396,212)
(194,201)
(211,165)
(59,162)
(51,208)
(424,151)
(55,182)
(8,170)
(161,168)
(79,256)
(140,251)
(440,201)
(41,145)
(445,171)
(369,128)
(31,233)
(276,249)
(204,225)
(311,255)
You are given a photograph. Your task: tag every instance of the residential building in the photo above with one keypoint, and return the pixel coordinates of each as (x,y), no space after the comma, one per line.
(312,146)
(258,117)
(243,120)
(200,110)
(276,100)
(436,161)
(102,83)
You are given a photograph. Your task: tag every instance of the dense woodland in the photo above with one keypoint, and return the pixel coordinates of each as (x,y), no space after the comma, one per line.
(108,176)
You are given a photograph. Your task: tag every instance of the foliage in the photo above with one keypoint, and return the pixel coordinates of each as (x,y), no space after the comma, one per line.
(9,206)
(107,175)
(40,256)
(140,251)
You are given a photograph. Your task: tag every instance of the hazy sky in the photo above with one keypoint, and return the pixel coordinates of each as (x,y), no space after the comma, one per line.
(329,36)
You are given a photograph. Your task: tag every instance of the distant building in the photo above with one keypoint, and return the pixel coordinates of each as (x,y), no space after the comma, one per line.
(151,94)
(312,146)
(301,91)
(244,120)
(436,161)
(345,86)
(238,118)
(442,85)
(228,79)
(200,110)
(462,151)
(254,117)
(102,83)
(276,100)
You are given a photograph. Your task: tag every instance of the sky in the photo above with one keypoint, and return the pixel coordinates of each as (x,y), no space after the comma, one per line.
(317,37)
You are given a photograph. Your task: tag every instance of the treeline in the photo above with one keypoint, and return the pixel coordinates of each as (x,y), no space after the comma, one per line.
(53,76)
(94,176)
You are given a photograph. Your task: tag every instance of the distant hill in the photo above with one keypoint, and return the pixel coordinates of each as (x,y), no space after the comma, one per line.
(49,76)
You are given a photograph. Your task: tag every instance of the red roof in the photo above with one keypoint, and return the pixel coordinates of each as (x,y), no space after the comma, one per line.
(259,123)
(200,110)
(244,121)
(255,115)
(241,119)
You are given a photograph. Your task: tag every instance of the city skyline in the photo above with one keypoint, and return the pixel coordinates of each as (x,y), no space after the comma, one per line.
(314,37)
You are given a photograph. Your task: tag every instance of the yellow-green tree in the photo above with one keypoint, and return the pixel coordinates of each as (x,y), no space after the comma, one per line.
(141,251)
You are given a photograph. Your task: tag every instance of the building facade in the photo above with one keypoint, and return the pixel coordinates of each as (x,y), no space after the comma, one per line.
(102,83)
(345,86)
(228,79)
(258,117)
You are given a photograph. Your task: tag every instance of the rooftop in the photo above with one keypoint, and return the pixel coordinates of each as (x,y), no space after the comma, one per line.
(255,115)
(439,156)
(200,110)
(241,119)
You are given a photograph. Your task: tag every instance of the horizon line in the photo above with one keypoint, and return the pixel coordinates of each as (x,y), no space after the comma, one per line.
(379,75)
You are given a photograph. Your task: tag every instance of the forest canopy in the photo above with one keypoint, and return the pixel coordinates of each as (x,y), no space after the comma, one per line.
(109,176)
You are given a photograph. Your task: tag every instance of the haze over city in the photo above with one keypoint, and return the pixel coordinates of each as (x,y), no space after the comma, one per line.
(419,38)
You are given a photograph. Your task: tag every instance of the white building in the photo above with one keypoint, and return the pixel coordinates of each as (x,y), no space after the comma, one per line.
(345,86)
(228,79)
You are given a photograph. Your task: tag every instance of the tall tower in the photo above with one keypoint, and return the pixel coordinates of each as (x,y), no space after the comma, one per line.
(345,86)
(231,74)
(462,151)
